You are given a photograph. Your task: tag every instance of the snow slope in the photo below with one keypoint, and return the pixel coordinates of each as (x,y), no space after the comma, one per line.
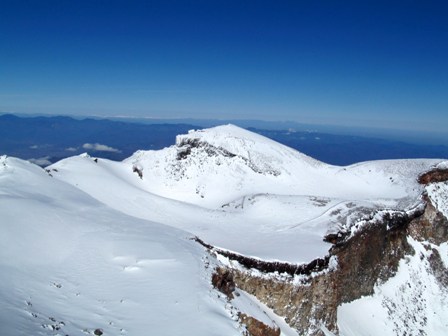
(243,192)
(114,184)
(411,303)
(70,265)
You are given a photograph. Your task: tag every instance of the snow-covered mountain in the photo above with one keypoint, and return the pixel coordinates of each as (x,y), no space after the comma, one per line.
(96,244)
(227,183)
(216,166)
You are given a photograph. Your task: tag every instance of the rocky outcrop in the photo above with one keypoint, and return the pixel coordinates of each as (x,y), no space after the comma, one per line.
(434,175)
(222,280)
(138,170)
(186,145)
(314,266)
(363,256)
(257,328)
(370,256)
(431,227)
(308,296)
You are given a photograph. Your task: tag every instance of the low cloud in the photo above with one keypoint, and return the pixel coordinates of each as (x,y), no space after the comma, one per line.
(71,149)
(34,147)
(96,147)
(43,161)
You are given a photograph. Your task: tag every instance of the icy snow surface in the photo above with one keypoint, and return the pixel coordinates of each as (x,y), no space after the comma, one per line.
(442,165)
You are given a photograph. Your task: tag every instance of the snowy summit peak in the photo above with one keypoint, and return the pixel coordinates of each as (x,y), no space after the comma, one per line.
(224,133)
(213,166)
(263,155)
(236,140)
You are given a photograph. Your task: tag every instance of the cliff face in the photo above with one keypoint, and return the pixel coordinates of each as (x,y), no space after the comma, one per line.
(367,257)
(431,227)
(370,256)
(438,174)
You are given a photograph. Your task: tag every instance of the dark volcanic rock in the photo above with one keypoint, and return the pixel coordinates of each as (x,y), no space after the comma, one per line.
(370,257)
(263,266)
(432,227)
(435,175)
(222,280)
(257,328)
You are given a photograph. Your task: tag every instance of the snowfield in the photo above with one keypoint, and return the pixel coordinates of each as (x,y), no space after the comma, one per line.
(70,265)
(243,192)
(95,245)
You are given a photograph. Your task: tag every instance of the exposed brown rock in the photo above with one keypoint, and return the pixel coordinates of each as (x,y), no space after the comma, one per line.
(431,227)
(370,257)
(361,263)
(434,175)
(222,280)
(186,145)
(438,269)
(255,327)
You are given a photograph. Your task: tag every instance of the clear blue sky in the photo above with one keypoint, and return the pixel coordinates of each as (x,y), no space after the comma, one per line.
(360,63)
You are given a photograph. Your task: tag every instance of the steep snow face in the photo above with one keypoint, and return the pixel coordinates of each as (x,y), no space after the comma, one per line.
(71,265)
(438,193)
(216,166)
(413,302)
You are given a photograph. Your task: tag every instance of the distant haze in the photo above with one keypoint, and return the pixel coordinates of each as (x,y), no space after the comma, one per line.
(44,140)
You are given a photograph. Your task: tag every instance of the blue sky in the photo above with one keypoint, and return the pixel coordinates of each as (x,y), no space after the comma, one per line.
(363,63)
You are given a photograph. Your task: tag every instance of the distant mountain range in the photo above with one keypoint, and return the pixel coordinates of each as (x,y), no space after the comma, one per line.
(46,140)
